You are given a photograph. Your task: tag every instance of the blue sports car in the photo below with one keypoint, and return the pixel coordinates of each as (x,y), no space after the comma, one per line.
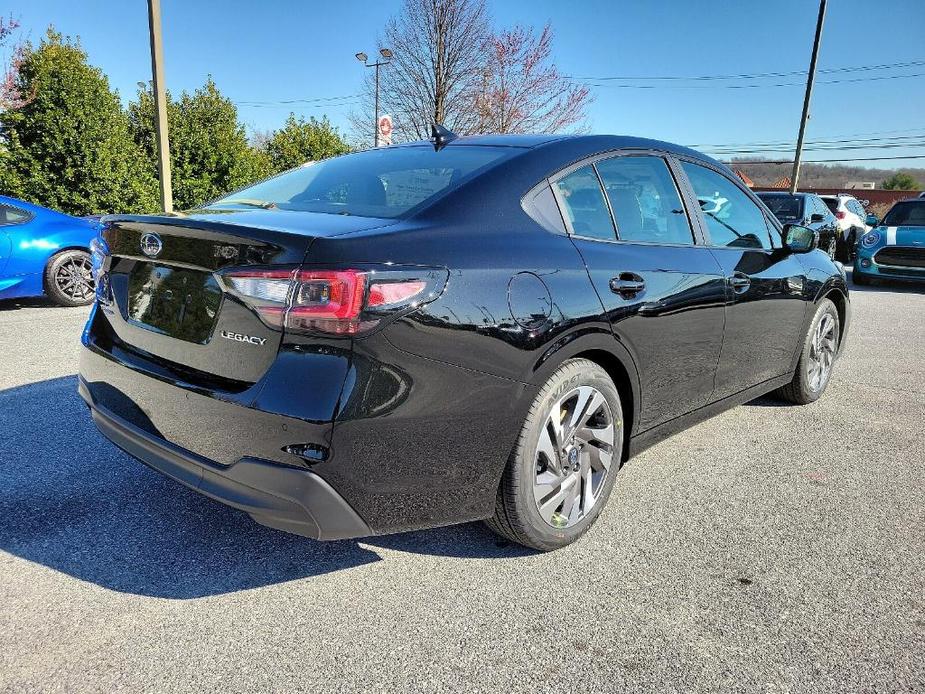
(895,248)
(43,252)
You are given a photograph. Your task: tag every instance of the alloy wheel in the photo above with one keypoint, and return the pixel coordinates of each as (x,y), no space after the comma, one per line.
(74,279)
(573,456)
(821,353)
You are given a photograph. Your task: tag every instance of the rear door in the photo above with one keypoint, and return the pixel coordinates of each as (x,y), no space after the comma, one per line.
(662,292)
(765,304)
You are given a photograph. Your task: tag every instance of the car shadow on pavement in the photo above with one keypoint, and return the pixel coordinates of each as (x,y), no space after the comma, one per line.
(72,501)
(892,286)
(27,302)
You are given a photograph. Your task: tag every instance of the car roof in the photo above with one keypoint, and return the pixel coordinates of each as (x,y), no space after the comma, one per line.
(781,193)
(601,142)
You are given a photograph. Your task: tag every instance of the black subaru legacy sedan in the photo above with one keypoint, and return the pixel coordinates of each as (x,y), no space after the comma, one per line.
(474,328)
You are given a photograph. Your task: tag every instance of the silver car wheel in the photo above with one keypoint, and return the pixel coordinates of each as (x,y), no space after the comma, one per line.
(821,353)
(573,456)
(74,278)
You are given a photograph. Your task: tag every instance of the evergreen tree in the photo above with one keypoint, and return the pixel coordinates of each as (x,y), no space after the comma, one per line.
(300,140)
(68,146)
(901,181)
(209,152)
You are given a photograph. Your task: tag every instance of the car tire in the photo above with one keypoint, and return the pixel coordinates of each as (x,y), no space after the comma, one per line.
(820,348)
(544,473)
(67,278)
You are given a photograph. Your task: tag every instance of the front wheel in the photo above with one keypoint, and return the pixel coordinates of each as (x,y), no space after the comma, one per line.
(559,476)
(820,346)
(68,278)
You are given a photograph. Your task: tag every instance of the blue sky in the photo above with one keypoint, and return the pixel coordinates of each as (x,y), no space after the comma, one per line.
(274,51)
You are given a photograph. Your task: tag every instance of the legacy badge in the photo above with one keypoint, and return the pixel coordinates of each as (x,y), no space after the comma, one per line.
(241,337)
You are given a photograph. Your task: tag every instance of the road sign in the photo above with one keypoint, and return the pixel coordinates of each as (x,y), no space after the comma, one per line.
(385,130)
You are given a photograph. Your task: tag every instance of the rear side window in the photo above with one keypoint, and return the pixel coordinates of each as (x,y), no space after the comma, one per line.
(385,182)
(831,204)
(732,218)
(787,207)
(645,201)
(10,216)
(583,201)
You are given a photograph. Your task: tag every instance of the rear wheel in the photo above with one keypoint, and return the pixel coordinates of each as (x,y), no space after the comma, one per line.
(817,358)
(560,474)
(68,280)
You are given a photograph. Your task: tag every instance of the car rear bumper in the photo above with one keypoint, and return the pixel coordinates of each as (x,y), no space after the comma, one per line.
(286,498)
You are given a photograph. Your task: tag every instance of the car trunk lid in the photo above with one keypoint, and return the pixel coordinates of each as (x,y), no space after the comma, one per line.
(168,293)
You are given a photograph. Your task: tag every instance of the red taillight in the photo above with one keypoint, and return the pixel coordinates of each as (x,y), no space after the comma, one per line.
(840,214)
(385,293)
(329,301)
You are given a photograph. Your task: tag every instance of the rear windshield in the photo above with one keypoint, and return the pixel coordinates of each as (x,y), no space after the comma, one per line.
(910,214)
(832,204)
(384,182)
(784,206)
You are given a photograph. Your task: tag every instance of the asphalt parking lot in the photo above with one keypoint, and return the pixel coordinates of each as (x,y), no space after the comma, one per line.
(772,548)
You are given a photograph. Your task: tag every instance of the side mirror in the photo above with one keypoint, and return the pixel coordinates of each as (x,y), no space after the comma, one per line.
(799,239)
(872,220)
(816,217)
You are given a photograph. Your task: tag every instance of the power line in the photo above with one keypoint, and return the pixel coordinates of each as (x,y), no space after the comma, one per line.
(757,75)
(823,161)
(829,140)
(320,99)
(753,86)
(919,142)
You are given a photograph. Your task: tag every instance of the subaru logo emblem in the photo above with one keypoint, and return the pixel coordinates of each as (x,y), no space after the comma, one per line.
(151,245)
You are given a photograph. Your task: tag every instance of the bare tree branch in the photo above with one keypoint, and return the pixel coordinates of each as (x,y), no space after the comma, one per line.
(438,48)
(522,89)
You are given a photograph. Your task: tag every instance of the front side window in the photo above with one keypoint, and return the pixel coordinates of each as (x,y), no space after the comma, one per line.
(906,214)
(645,201)
(11,215)
(583,200)
(386,182)
(732,218)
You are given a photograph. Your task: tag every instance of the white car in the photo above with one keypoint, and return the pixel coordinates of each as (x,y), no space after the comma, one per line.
(852,223)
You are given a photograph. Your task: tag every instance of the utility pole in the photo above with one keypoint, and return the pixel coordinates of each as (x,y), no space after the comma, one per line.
(363,58)
(160,104)
(810,78)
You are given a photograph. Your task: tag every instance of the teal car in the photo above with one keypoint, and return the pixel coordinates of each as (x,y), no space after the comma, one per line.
(895,247)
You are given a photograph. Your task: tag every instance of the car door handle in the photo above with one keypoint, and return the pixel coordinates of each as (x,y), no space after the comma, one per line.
(627,284)
(739,282)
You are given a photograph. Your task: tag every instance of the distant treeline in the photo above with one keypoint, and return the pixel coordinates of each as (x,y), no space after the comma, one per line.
(819,175)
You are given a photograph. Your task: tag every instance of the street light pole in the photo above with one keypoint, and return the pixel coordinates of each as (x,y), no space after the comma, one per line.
(363,58)
(810,78)
(376,110)
(159,91)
